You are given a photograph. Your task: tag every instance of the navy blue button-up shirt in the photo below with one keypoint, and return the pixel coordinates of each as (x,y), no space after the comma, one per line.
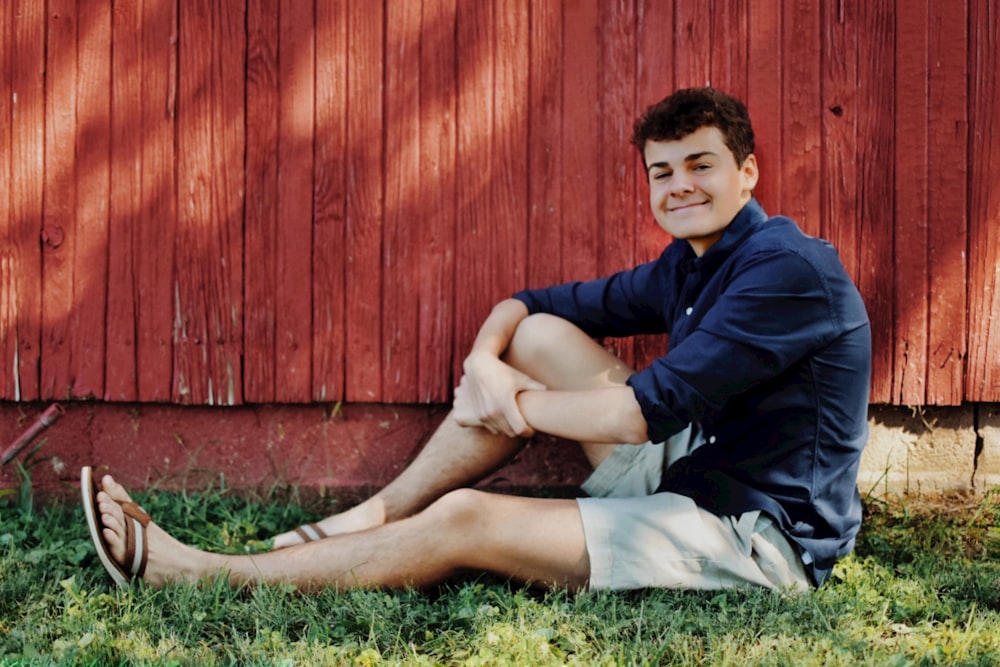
(770,352)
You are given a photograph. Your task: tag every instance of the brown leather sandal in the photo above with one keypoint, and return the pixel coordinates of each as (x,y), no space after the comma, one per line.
(136,547)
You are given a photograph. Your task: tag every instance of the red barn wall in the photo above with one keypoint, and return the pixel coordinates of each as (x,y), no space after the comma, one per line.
(222,202)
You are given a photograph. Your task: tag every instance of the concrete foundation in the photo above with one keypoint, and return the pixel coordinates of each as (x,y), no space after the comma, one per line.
(919,450)
(987,473)
(350,451)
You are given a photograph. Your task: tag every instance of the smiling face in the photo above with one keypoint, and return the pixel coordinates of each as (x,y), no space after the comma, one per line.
(696,187)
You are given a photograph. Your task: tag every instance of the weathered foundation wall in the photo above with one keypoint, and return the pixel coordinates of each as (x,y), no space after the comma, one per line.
(351,450)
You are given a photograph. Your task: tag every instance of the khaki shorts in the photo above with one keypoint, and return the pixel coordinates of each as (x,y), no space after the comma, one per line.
(637,538)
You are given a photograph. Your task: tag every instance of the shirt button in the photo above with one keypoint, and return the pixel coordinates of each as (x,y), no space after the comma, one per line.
(711,440)
(689,310)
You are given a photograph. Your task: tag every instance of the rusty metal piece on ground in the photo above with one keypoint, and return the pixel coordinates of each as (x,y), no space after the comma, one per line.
(45,420)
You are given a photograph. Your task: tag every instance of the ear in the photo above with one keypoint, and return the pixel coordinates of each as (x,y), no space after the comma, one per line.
(749,172)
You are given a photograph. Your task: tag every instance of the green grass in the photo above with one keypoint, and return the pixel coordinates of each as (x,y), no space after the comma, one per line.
(923,588)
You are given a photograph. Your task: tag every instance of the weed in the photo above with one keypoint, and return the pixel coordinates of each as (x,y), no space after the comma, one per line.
(25,496)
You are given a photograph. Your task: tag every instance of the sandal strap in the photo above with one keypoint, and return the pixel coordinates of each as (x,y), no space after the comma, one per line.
(136,547)
(310,532)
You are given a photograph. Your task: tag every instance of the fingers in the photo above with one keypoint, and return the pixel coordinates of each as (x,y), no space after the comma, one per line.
(487,397)
(503,418)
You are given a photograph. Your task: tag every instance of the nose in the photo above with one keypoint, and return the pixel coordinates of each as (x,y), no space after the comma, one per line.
(681,185)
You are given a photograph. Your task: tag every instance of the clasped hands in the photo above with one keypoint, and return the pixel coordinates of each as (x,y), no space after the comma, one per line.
(486,396)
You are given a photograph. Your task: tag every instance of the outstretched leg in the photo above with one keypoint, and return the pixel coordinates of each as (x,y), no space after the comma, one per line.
(547,348)
(540,541)
(455,456)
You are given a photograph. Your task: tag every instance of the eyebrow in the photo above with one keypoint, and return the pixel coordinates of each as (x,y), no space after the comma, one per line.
(688,158)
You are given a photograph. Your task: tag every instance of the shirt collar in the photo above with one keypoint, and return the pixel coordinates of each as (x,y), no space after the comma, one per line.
(750,218)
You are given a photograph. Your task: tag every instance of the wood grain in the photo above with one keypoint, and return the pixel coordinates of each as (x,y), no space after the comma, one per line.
(983,365)
(217,202)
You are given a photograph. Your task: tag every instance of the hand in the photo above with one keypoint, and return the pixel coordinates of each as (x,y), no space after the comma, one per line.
(487,396)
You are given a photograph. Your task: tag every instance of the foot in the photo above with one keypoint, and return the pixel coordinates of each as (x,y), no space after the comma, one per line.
(168,559)
(369,514)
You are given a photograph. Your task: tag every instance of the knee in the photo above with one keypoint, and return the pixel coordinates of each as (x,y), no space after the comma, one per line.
(537,338)
(460,509)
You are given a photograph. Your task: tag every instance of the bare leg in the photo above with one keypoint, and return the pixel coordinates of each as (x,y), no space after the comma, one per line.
(547,348)
(540,541)
(454,456)
(561,356)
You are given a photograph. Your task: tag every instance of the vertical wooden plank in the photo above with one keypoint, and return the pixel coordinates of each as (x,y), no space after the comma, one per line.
(730,41)
(293,340)
(59,220)
(329,202)
(802,111)
(473,246)
(436,255)
(365,190)
(261,223)
(491,230)
(195,221)
(492,158)
(126,203)
(92,167)
(210,211)
(947,200)
(8,282)
(545,145)
(764,99)
(27,180)
(229,114)
(692,44)
(655,79)
(911,275)
(156,232)
(619,166)
(983,366)
(841,148)
(580,145)
(403,214)
(876,134)
(509,188)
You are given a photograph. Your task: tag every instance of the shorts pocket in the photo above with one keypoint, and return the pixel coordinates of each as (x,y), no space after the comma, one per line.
(744,526)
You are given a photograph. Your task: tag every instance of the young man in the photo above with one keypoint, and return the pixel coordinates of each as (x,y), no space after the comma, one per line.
(732,460)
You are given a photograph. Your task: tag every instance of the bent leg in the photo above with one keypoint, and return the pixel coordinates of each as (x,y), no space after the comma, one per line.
(547,348)
(453,457)
(561,356)
(540,541)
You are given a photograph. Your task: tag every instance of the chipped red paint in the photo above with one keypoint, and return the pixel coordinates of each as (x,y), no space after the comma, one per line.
(344,452)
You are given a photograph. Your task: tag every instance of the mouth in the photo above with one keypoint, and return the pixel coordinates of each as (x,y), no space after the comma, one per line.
(686,207)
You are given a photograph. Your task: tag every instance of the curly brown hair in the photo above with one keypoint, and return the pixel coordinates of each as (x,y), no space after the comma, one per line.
(690,109)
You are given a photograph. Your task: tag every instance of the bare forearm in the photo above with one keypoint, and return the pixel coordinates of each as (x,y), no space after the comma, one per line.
(486,395)
(609,415)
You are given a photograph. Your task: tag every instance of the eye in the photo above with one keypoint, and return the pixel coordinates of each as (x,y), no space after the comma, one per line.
(660,175)
(703,166)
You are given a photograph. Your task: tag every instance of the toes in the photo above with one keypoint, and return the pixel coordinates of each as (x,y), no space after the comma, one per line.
(113,522)
(116,544)
(115,490)
(113,529)
(110,510)
(289,539)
